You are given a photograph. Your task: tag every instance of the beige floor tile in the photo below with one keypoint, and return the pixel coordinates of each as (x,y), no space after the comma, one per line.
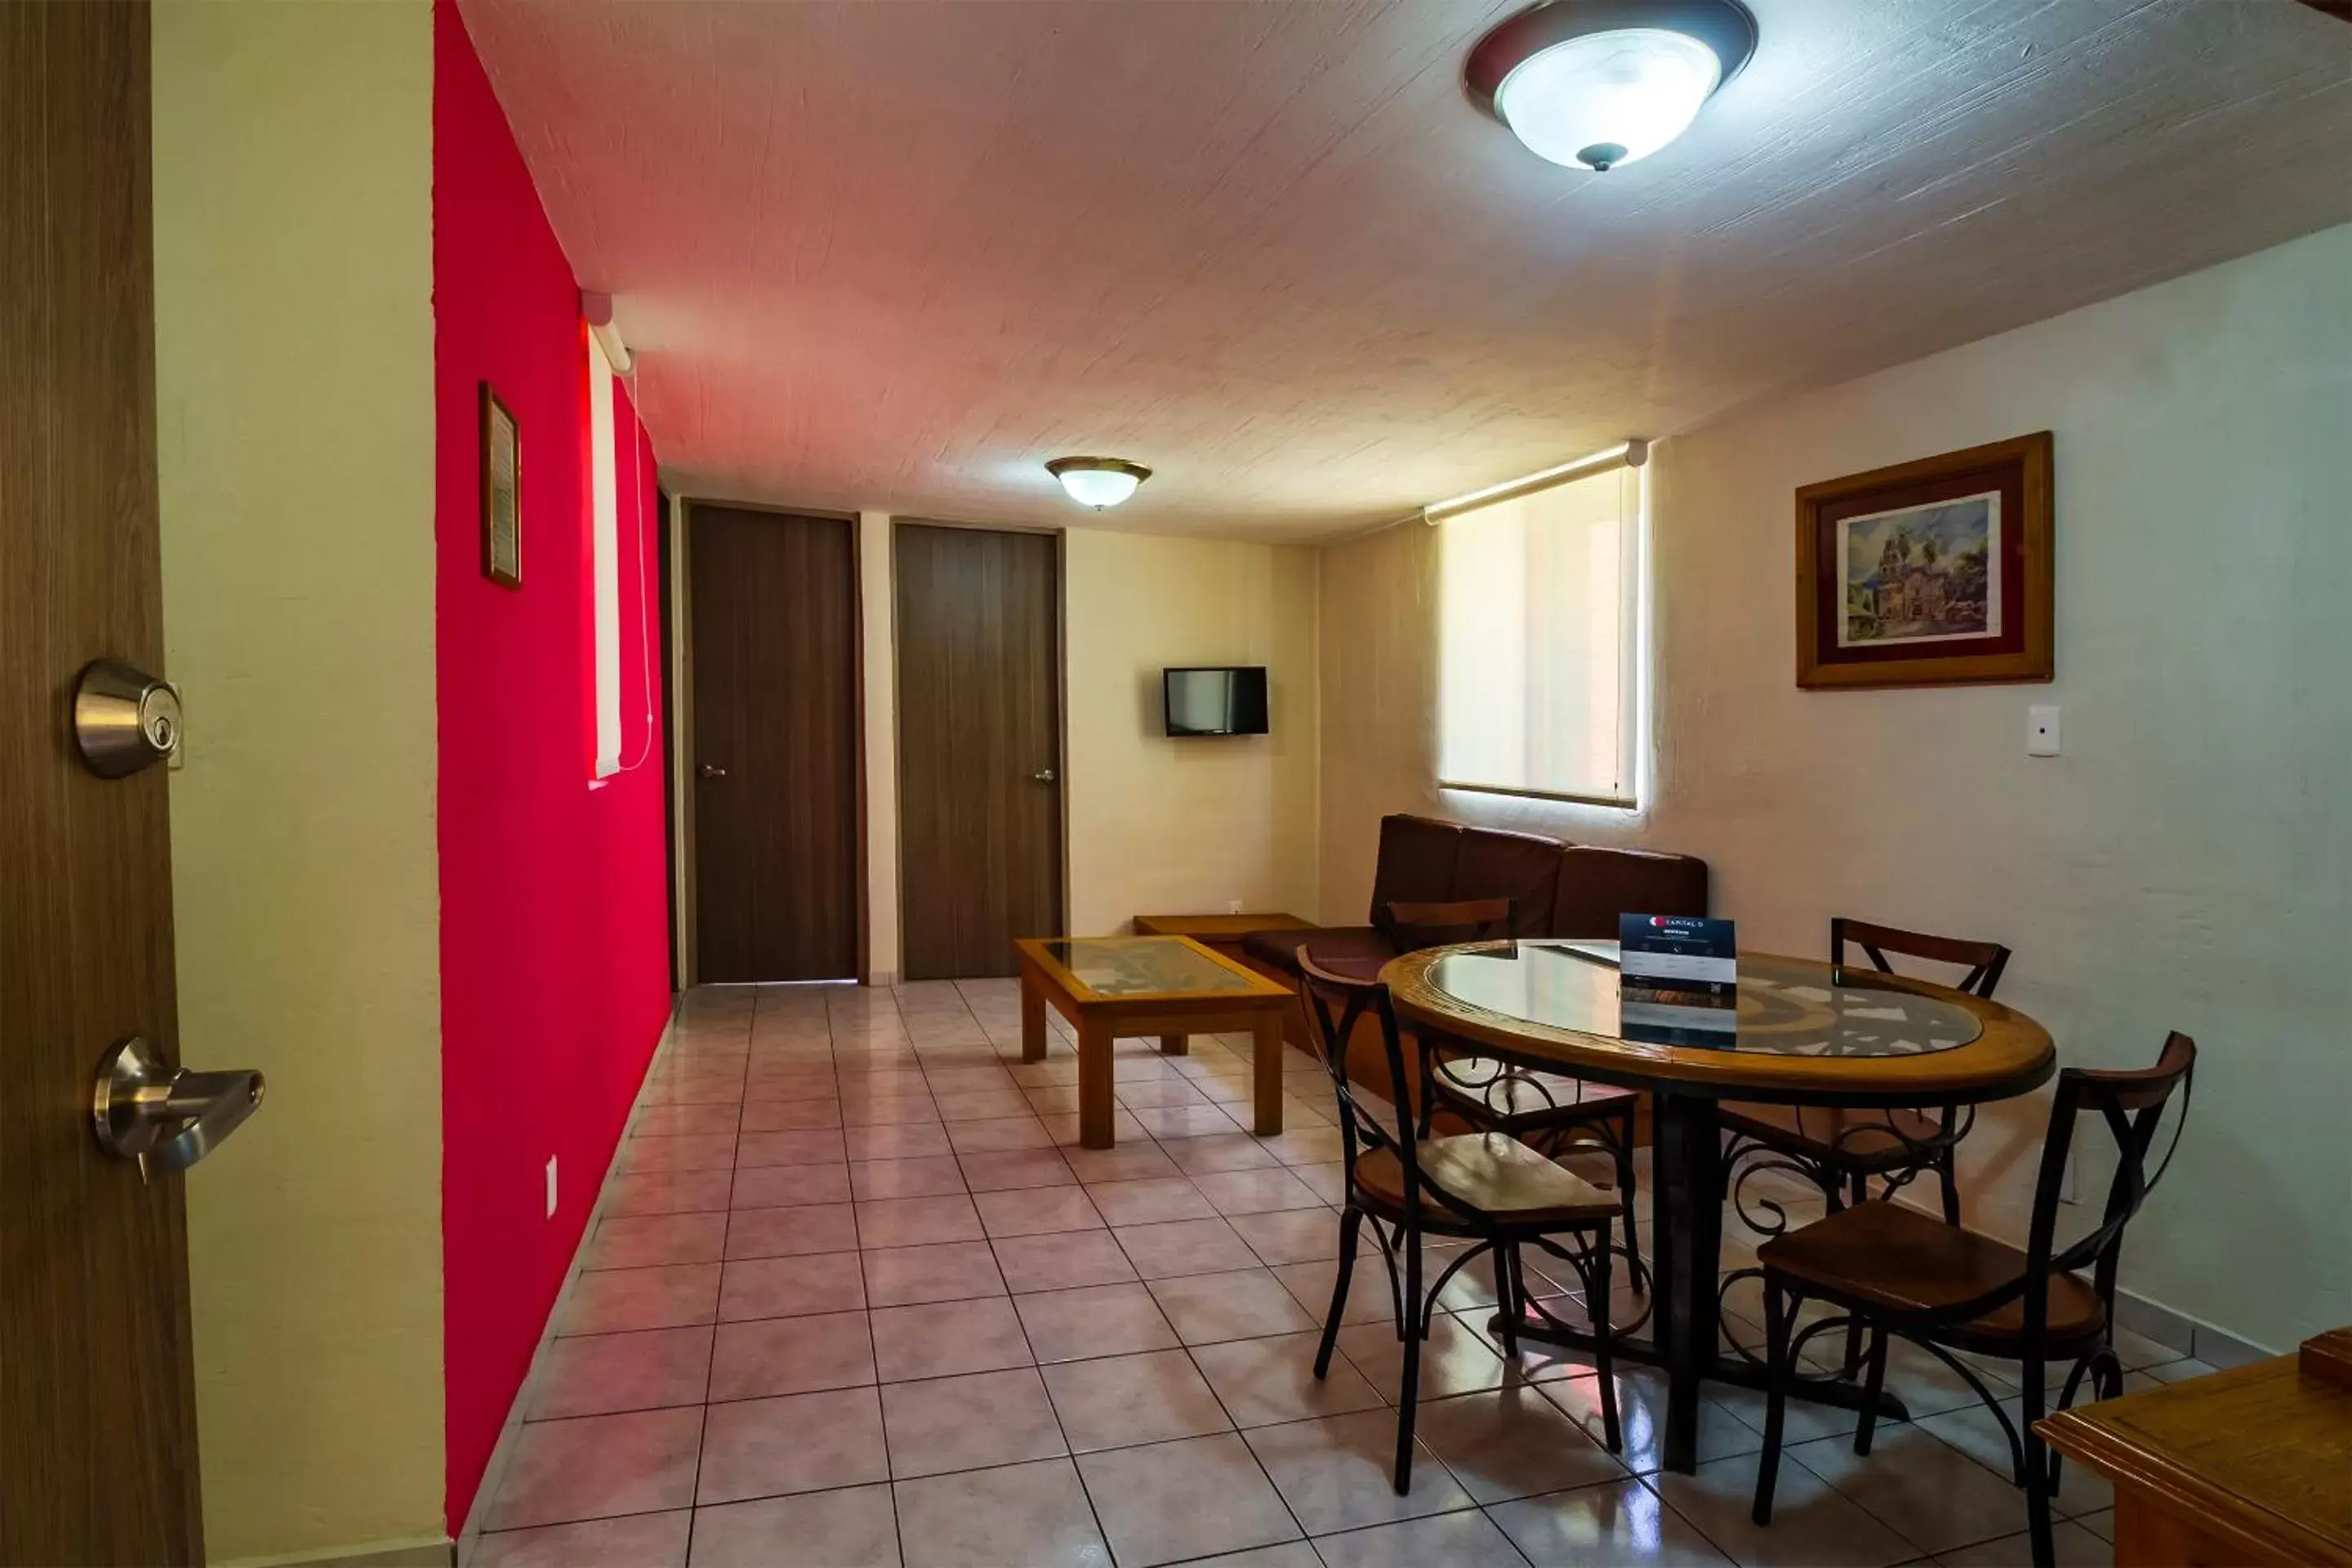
(1300,1145)
(1117,1401)
(790,1355)
(609,1301)
(941,1271)
(1244,1304)
(1263,1382)
(1621,1522)
(969,1423)
(1512,1442)
(939,1339)
(809,1148)
(799,1443)
(1336,1472)
(637,1241)
(789,1186)
(918,1222)
(1151,1201)
(693,1151)
(786,1231)
(982,1105)
(1925,1490)
(903,1141)
(791,1115)
(1452,1358)
(1094,1320)
(1129,1162)
(1289,1236)
(668,1192)
(1061,1260)
(640,1540)
(790,1287)
(1976,1432)
(1642,1417)
(1290,1554)
(886,1110)
(1037,1211)
(1185,1246)
(971,1080)
(1035,1515)
(2071,1545)
(1441,1540)
(1255,1191)
(676,1121)
(602,1374)
(597,1467)
(1016,1169)
(855,1527)
(934,1176)
(1369,1300)
(2101,1524)
(998,1135)
(1187,1121)
(1329,1179)
(1169,1502)
(1152,1093)
(1223,1151)
(1814,1525)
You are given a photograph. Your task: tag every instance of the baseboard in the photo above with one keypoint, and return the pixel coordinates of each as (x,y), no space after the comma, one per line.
(417,1551)
(494,1474)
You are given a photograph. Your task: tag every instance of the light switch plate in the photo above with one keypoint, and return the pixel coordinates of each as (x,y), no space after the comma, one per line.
(2041,730)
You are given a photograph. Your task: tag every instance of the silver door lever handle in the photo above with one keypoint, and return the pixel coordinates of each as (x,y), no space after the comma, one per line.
(1044,775)
(167,1117)
(709,771)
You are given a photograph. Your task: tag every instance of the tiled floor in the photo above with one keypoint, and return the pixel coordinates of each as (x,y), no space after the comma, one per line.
(857,1297)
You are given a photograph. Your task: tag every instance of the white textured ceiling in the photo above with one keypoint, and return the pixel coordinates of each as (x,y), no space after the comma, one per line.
(898,254)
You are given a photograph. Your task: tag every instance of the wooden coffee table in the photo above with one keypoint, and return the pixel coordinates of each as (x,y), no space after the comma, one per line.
(1171,986)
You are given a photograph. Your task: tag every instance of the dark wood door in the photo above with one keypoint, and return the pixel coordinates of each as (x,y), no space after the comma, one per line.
(97,1446)
(979,747)
(777,868)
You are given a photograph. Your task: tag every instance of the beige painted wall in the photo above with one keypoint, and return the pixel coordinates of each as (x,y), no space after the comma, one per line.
(1160,825)
(2188,863)
(294,391)
(878,613)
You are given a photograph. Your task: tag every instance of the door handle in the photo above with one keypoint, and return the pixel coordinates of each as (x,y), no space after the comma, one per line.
(167,1117)
(124,719)
(1043,775)
(709,771)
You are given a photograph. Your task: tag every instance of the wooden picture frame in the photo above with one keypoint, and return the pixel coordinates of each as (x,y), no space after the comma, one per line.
(501,447)
(1934,572)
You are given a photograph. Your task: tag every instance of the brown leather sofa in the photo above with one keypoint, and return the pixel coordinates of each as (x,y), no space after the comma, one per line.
(1558,890)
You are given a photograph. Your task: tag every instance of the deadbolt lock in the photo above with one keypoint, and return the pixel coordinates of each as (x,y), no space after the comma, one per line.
(124,719)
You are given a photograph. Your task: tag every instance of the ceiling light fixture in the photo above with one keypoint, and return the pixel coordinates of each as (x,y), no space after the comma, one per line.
(1593,84)
(1098,482)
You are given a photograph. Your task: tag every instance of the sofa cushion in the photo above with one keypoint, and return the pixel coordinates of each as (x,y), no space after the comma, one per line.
(1597,884)
(1357,951)
(1416,864)
(1521,867)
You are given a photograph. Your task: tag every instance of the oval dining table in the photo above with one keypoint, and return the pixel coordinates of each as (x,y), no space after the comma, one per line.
(1804,1033)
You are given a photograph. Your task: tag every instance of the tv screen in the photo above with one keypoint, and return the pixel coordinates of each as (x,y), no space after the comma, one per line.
(1229,699)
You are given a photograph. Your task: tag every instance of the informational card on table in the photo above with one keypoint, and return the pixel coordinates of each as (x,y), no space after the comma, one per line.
(1679,979)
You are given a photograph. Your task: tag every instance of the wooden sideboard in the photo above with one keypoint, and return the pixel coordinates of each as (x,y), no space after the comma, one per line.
(2250,1466)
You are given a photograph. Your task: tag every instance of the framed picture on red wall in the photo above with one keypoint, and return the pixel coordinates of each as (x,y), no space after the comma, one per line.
(1934,573)
(501,492)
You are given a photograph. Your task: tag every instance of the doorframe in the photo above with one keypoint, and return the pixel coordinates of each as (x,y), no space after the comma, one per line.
(687,847)
(1061,538)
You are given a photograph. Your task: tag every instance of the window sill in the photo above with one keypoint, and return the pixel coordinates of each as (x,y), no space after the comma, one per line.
(1615,801)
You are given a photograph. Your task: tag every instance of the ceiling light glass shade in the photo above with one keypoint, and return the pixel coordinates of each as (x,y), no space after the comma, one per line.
(1097,482)
(1607,99)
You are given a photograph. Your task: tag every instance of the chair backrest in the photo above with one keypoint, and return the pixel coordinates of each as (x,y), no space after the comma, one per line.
(2129,1104)
(1984,961)
(1338,1003)
(1415,926)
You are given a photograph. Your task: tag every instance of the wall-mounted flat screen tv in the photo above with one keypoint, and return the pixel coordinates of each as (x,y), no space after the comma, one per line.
(1223,700)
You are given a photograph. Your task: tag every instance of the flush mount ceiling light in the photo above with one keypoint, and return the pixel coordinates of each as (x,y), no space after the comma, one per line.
(1098,482)
(1592,84)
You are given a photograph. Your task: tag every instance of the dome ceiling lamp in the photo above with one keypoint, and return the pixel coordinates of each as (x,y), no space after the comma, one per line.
(1595,84)
(1098,482)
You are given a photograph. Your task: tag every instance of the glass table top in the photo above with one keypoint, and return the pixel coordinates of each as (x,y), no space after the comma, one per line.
(1787,1007)
(1143,966)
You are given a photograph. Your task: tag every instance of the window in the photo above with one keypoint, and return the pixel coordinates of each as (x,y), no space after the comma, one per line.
(604,536)
(1538,641)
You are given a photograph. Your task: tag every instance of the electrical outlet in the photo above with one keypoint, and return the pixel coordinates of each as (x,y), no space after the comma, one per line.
(551,1186)
(1233,906)
(2040,731)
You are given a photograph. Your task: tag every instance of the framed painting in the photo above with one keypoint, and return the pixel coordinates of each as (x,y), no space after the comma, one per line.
(1935,572)
(501,492)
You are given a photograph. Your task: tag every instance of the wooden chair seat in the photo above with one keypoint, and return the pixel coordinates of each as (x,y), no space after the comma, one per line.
(1514,1095)
(1865,1142)
(1884,1255)
(1494,1175)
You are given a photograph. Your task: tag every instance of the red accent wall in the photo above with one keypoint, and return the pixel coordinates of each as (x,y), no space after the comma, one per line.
(554,961)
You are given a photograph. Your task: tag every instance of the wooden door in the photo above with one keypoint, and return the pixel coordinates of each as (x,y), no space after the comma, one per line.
(98,1446)
(979,747)
(779,879)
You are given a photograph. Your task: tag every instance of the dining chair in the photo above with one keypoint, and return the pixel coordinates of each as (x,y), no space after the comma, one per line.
(1895,1270)
(1840,1151)
(1487,1188)
(1553,1113)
